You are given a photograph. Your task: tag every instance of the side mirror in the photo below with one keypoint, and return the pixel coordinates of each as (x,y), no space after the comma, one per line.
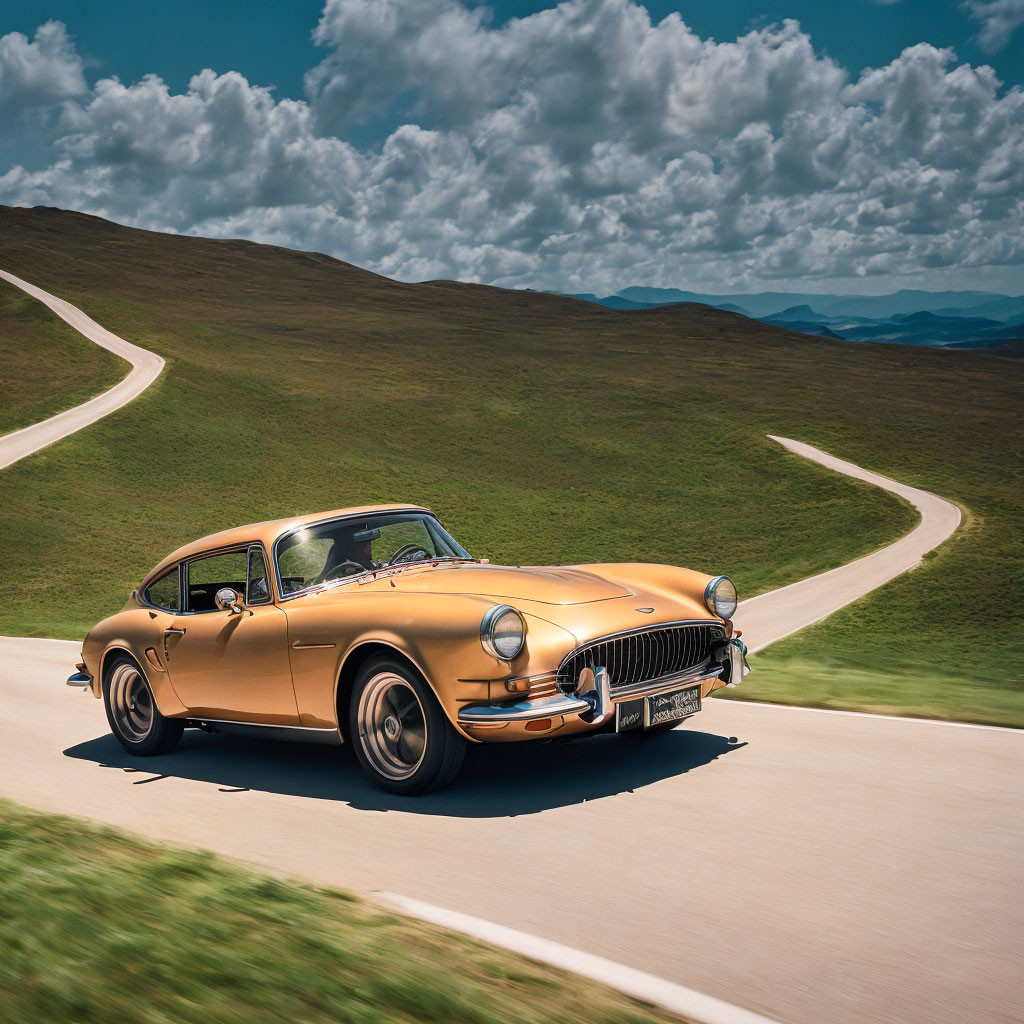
(227,600)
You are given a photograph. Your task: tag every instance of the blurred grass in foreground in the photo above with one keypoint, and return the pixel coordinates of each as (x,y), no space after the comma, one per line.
(97,925)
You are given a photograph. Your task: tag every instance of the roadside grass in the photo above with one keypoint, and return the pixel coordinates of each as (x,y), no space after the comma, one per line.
(98,925)
(45,365)
(838,681)
(945,639)
(542,430)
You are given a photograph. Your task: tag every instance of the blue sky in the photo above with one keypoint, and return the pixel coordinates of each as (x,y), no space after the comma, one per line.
(270,42)
(586,148)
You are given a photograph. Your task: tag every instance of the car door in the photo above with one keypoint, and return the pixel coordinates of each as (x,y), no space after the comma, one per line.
(231,664)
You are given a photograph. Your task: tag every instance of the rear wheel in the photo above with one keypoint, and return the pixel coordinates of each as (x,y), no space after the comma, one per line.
(402,738)
(132,712)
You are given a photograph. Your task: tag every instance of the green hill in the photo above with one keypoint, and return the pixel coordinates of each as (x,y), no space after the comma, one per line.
(45,365)
(541,428)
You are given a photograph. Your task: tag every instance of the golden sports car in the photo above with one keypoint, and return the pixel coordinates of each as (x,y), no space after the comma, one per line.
(372,626)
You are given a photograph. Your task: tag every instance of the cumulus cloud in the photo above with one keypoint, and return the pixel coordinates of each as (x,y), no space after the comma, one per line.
(582,148)
(40,73)
(998,19)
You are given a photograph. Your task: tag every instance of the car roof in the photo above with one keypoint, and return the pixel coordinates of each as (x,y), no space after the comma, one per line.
(267,532)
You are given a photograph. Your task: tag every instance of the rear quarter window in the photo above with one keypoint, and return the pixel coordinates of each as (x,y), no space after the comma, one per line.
(163,591)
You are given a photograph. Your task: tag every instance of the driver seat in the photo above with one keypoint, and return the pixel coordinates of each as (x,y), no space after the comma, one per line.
(342,550)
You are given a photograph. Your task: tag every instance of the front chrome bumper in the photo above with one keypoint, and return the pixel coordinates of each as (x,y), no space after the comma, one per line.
(524,711)
(737,661)
(595,705)
(81,680)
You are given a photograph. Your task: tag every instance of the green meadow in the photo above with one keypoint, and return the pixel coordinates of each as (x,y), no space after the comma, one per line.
(541,429)
(45,365)
(96,925)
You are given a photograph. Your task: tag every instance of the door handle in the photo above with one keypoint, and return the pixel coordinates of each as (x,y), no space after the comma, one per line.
(174,632)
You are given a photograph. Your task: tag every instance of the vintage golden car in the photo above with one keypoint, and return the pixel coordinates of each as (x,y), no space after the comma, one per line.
(372,626)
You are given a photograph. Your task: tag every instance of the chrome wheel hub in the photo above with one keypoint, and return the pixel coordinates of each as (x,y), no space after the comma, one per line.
(131,703)
(392,726)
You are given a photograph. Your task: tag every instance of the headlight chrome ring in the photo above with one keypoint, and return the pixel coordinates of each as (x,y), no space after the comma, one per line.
(721,597)
(502,632)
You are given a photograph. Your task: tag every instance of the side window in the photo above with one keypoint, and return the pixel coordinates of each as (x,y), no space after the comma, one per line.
(163,591)
(258,590)
(207,575)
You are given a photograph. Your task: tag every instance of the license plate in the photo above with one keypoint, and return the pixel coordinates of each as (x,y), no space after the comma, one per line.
(670,707)
(643,712)
(629,714)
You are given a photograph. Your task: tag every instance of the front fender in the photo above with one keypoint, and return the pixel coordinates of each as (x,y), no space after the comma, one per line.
(438,633)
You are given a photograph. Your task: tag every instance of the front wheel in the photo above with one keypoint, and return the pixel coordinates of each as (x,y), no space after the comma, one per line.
(402,738)
(132,712)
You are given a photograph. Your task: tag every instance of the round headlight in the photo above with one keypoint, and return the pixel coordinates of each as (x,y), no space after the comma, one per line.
(502,632)
(721,598)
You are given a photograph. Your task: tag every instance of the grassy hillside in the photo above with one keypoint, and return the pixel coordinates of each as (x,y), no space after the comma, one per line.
(45,366)
(99,926)
(541,428)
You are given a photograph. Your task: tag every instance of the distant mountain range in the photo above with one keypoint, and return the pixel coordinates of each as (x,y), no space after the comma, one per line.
(954,319)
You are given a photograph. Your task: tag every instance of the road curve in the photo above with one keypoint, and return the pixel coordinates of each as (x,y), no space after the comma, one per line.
(146,367)
(770,617)
(764,619)
(808,867)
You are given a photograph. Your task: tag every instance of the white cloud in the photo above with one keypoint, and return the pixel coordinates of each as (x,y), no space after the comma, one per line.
(582,148)
(40,73)
(998,20)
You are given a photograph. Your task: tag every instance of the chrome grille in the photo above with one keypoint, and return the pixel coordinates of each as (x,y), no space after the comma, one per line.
(643,654)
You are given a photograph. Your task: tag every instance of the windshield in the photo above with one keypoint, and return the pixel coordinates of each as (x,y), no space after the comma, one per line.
(346,547)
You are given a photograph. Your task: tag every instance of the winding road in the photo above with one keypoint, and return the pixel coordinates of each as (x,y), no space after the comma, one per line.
(146,367)
(810,866)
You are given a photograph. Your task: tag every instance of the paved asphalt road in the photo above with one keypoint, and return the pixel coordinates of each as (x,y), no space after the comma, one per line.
(814,867)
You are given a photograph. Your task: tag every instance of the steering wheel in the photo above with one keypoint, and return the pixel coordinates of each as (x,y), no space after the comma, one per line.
(402,554)
(328,574)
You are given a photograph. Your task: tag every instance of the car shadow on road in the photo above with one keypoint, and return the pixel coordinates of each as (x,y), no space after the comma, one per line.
(496,781)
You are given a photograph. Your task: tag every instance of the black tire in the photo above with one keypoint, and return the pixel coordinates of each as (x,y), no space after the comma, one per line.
(398,755)
(131,710)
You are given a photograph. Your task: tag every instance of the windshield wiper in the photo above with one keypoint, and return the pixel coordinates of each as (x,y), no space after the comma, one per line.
(316,588)
(433,558)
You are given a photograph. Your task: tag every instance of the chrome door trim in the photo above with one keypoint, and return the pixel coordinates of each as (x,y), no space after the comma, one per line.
(204,719)
(271,730)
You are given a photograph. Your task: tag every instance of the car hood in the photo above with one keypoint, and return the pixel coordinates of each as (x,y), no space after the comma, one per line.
(539,584)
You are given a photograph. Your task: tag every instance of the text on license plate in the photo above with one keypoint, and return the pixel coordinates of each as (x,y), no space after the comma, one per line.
(643,712)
